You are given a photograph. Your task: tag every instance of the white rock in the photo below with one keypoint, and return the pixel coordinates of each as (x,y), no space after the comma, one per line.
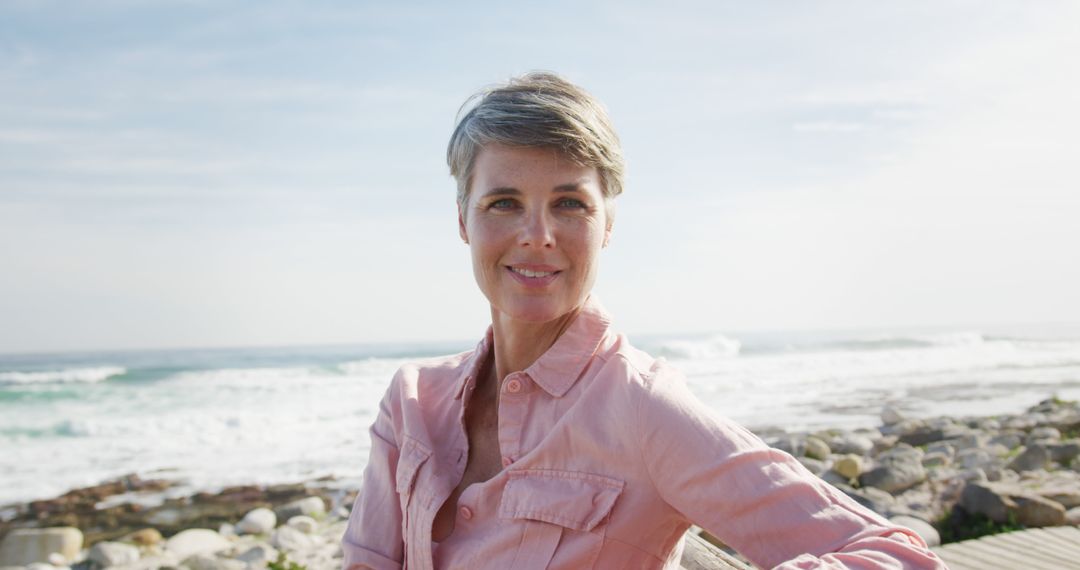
(921,527)
(196,541)
(211,562)
(290,539)
(152,562)
(257,521)
(25,546)
(113,554)
(304,524)
(310,506)
(41,566)
(890,415)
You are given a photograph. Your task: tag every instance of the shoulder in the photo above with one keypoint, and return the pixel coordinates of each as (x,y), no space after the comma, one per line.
(665,403)
(641,369)
(426,369)
(431,377)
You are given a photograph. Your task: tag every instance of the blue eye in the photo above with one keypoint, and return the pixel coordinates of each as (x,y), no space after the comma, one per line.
(571,203)
(502,204)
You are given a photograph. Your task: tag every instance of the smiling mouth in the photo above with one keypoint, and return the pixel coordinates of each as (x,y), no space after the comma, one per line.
(531,273)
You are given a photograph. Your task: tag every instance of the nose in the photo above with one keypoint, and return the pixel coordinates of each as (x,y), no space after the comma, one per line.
(537,230)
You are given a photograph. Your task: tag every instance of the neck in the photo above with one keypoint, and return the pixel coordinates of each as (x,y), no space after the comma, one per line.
(518,344)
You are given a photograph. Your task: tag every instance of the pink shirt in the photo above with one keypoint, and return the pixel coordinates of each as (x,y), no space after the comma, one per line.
(608,459)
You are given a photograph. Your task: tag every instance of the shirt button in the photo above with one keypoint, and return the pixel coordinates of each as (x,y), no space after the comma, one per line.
(466,513)
(513,385)
(507,461)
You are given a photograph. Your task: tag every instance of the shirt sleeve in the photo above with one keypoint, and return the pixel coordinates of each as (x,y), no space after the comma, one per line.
(373,536)
(760,501)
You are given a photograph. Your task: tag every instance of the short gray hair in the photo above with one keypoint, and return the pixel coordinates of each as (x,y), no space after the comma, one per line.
(540,110)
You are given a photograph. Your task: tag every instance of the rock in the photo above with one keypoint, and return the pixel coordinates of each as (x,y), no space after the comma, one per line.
(896,471)
(29,545)
(260,553)
(1008,440)
(305,524)
(884,443)
(977,439)
(935,459)
(152,562)
(1020,422)
(314,507)
(922,435)
(1001,502)
(290,539)
(1043,435)
(904,427)
(943,447)
(812,465)
(817,449)
(973,459)
(848,466)
(1036,511)
(976,474)
(890,416)
(921,527)
(145,537)
(876,500)
(113,554)
(210,562)
(40,566)
(851,443)
(1072,516)
(257,521)
(1068,498)
(1065,451)
(196,541)
(835,479)
(987,499)
(791,444)
(1031,458)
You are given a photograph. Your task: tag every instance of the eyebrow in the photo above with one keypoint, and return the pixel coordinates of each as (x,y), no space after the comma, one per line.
(509,191)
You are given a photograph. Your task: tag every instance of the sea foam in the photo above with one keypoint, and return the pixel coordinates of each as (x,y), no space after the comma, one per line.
(65,376)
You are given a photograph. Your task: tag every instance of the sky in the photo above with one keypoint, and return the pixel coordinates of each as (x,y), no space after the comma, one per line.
(202,174)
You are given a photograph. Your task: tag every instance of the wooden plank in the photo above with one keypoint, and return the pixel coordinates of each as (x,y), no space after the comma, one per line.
(956,560)
(1055,548)
(1030,544)
(996,553)
(698,554)
(1062,539)
(978,559)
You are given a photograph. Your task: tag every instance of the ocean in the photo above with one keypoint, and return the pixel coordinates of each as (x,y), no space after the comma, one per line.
(217,417)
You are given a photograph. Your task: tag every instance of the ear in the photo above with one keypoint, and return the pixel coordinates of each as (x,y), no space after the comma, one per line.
(607,235)
(461,226)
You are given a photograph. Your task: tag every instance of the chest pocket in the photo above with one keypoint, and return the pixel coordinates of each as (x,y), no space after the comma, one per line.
(413,455)
(556,506)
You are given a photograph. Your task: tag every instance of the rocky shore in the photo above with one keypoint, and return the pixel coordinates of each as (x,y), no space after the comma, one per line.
(947,478)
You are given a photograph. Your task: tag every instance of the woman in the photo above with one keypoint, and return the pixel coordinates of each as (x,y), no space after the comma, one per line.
(554,443)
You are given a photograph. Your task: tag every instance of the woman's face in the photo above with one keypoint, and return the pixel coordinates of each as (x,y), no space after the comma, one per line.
(535,222)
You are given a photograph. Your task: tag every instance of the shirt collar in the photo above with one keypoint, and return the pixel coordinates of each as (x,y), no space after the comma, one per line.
(558,369)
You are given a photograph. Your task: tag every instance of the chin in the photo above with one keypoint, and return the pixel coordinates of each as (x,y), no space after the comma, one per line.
(537,311)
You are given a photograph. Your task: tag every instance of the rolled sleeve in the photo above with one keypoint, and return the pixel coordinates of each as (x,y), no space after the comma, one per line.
(373,536)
